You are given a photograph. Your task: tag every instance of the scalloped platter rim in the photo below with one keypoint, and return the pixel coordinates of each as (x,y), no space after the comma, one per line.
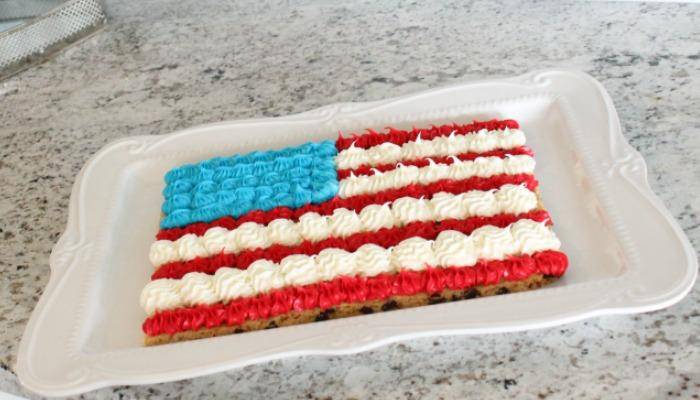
(614,228)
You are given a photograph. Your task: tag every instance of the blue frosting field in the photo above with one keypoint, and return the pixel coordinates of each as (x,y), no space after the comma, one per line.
(261,180)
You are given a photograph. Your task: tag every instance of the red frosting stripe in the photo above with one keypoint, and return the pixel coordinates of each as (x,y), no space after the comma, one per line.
(423,162)
(399,137)
(353,289)
(355,203)
(385,237)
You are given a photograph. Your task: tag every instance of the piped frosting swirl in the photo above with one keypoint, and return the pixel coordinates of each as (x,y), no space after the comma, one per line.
(508,199)
(451,248)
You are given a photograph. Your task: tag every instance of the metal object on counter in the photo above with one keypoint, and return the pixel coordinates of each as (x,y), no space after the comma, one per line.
(52,26)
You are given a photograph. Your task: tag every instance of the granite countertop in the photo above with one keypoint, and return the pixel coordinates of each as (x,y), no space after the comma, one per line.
(160,66)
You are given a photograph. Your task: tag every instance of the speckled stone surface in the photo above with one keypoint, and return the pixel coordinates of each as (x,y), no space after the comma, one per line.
(160,66)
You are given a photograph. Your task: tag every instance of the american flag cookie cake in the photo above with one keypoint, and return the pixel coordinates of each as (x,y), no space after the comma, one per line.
(363,224)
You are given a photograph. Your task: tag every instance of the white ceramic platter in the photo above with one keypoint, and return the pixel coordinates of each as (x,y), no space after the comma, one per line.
(627,253)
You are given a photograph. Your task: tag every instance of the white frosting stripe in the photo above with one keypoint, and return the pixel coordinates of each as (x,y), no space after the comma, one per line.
(508,199)
(483,167)
(450,248)
(389,153)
